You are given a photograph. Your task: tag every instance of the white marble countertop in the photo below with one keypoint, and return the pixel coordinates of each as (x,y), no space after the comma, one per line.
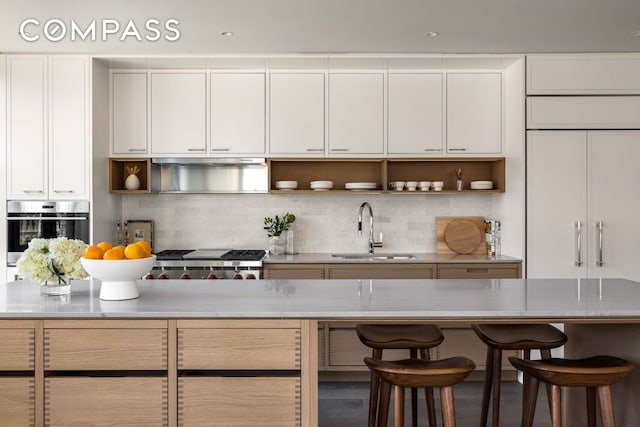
(444,300)
(420,258)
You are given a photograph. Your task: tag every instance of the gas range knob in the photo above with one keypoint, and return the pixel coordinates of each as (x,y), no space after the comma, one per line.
(185,276)
(212,276)
(237,276)
(162,276)
(148,276)
(250,276)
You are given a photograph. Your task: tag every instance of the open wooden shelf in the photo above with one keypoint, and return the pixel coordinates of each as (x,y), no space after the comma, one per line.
(383,171)
(118,174)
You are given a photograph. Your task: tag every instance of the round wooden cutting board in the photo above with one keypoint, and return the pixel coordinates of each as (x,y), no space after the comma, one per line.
(462,236)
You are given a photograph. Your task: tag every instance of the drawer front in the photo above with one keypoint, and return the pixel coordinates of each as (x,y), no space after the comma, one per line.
(309,271)
(470,271)
(396,271)
(105,349)
(239,348)
(220,401)
(131,401)
(347,351)
(17,349)
(17,401)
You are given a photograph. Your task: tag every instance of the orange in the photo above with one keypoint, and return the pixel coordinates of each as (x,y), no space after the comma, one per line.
(93,252)
(135,251)
(146,246)
(116,252)
(105,246)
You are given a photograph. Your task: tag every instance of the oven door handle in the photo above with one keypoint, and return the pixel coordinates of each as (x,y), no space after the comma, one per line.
(47,218)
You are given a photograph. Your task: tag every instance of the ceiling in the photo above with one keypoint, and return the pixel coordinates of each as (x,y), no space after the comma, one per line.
(332,26)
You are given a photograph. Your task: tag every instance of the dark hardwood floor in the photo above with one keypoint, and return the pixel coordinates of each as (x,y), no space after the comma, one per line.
(345,404)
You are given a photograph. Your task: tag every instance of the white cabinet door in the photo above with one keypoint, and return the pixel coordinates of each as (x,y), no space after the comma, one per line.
(556,201)
(614,200)
(356,113)
(69,154)
(296,113)
(129,113)
(27,127)
(178,113)
(238,113)
(415,111)
(474,113)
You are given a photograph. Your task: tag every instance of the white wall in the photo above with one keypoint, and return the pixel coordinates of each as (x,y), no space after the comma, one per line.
(105,206)
(3,167)
(325,222)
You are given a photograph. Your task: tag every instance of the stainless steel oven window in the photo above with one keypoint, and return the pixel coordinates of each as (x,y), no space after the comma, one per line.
(31,219)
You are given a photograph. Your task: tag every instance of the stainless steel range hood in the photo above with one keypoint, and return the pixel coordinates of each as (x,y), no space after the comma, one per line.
(211,175)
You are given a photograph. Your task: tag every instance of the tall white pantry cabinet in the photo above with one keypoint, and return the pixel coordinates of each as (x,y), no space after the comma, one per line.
(583,201)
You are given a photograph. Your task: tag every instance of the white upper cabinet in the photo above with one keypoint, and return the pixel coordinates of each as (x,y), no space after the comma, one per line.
(296,113)
(48,154)
(178,113)
(415,111)
(356,113)
(474,113)
(69,148)
(583,74)
(129,113)
(27,127)
(238,113)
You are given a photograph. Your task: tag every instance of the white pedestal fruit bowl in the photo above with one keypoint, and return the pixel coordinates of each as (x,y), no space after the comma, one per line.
(118,277)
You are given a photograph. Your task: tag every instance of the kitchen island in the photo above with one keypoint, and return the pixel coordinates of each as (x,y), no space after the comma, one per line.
(215,349)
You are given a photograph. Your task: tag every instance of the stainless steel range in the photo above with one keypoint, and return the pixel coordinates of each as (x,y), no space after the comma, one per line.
(208,264)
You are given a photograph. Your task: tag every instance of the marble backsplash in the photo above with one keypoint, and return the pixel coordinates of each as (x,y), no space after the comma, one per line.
(324,222)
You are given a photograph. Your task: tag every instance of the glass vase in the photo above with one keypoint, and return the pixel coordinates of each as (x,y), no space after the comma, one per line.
(55,288)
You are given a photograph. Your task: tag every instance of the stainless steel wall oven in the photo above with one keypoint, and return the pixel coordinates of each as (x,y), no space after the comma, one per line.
(28,220)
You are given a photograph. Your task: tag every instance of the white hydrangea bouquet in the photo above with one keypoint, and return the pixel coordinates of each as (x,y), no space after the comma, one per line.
(53,262)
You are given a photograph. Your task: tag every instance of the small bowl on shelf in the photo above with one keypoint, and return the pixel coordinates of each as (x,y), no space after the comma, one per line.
(118,277)
(286,185)
(481,185)
(321,185)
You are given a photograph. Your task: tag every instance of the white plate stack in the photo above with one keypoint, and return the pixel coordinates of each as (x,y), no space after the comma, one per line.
(360,186)
(286,185)
(321,185)
(482,185)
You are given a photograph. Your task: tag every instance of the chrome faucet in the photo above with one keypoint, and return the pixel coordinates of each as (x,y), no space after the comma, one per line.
(372,243)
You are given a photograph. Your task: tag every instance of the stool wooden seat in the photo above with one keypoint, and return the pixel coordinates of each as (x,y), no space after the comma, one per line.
(418,373)
(415,338)
(524,337)
(595,373)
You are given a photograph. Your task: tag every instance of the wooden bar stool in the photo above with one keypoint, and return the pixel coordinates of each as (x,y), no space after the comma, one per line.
(418,373)
(511,337)
(595,373)
(415,338)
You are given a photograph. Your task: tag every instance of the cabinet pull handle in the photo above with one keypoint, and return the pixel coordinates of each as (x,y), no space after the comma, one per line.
(578,261)
(457,149)
(219,149)
(434,149)
(315,149)
(477,270)
(195,149)
(137,150)
(339,149)
(33,191)
(63,191)
(599,226)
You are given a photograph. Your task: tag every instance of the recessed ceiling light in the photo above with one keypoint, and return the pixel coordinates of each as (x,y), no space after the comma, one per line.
(431,34)
(226,33)
(635,33)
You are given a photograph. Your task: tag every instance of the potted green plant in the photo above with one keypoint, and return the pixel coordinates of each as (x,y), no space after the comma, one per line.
(275,227)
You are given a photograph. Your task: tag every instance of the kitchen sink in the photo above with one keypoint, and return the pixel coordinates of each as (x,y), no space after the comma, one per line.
(371,257)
